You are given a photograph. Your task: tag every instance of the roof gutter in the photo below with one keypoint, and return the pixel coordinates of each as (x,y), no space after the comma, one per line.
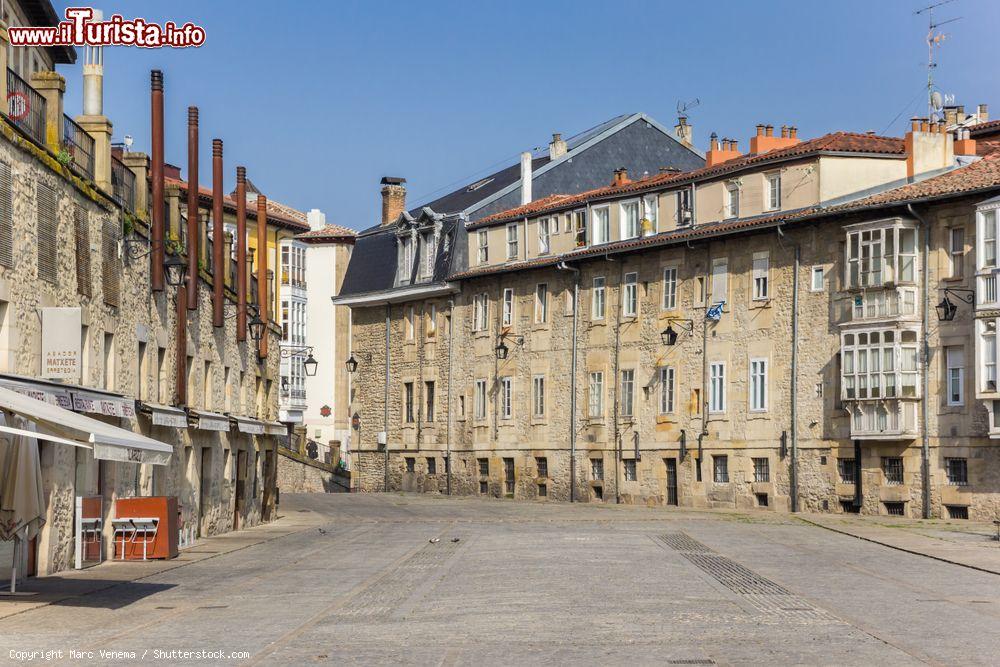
(384,297)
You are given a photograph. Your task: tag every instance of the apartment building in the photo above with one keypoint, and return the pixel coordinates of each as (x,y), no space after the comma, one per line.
(97,331)
(783,328)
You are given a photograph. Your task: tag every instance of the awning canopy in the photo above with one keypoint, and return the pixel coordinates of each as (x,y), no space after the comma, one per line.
(211,421)
(275,428)
(249,425)
(166,415)
(109,443)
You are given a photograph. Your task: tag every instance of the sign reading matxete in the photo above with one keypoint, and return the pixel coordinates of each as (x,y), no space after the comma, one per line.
(61,344)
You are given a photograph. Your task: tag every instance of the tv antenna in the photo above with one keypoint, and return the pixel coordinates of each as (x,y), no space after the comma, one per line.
(934,38)
(682,106)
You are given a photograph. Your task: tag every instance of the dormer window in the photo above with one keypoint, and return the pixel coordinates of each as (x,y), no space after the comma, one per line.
(732,200)
(405,259)
(430,254)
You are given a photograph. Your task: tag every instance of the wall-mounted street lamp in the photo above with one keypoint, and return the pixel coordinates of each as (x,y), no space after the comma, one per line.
(309,365)
(175,269)
(501,349)
(946,309)
(669,335)
(352,363)
(256,327)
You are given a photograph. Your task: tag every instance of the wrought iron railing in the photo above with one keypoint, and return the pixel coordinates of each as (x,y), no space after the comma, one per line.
(123,184)
(80,146)
(26,107)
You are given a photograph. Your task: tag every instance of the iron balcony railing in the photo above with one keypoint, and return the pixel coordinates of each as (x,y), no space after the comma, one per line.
(26,107)
(123,184)
(80,146)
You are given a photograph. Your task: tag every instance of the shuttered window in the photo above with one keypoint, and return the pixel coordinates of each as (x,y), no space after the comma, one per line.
(6,216)
(48,230)
(110,265)
(81,225)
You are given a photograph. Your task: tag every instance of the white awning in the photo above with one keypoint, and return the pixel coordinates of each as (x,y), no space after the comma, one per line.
(166,415)
(275,428)
(211,421)
(103,404)
(41,392)
(109,443)
(248,425)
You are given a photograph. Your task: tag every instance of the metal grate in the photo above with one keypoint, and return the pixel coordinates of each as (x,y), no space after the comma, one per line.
(6,216)
(110,264)
(81,224)
(80,146)
(683,542)
(48,233)
(123,184)
(734,576)
(26,107)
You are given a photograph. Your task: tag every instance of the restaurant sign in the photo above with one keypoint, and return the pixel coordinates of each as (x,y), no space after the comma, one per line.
(61,344)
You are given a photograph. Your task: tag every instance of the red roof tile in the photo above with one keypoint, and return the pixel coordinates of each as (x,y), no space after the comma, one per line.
(327,232)
(989,127)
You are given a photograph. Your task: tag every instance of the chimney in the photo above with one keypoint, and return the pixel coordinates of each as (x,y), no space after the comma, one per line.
(717,155)
(525,177)
(963,144)
(93,75)
(316,219)
(263,297)
(927,148)
(218,240)
(156,205)
(241,254)
(683,131)
(393,198)
(983,113)
(557,147)
(171,171)
(193,208)
(621,177)
(766,141)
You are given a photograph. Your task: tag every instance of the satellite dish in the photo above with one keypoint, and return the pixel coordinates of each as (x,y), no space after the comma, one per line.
(936,101)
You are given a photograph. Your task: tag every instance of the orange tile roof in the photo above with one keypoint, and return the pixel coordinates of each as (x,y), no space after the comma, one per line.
(327,232)
(836,142)
(277,214)
(989,127)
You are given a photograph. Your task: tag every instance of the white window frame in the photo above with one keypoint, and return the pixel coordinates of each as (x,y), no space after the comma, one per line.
(651,212)
(595,395)
(772,191)
(481,312)
(600,225)
(598,298)
(629,227)
(717,387)
(483,238)
(513,241)
(987,261)
(507,317)
(479,400)
(630,295)
(406,259)
(956,252)
(668,300)
(758,393)
(668,390)
(888,369)
(761,278)
(538,396)
(506,397)
(986,353)
(411,324)
(545,235)
(626,403)
(821,272)
(720,279)
(954,375)
(874,256)
(732,203)
(541,303)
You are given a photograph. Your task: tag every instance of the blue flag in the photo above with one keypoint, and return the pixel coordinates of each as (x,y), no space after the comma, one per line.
(715,312)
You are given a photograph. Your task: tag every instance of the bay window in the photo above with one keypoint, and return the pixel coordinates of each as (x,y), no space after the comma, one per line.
(986,257)
(987,355)
(881,255)
(879,364)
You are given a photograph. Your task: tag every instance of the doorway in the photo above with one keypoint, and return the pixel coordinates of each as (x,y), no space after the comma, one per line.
(241,486)
(204,489)
(671,481)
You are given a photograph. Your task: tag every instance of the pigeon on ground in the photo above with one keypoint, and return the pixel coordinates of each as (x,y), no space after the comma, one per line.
(434,540)
(454,539)
(321,531)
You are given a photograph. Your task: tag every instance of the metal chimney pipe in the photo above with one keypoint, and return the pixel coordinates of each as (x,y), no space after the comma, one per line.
(218,247)
(193,211)
(156,243)
(241,254)
(180,367)
(262,296)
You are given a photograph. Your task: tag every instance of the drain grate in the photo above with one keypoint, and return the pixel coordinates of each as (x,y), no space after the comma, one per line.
(734,576)
(683,542)
(693,661)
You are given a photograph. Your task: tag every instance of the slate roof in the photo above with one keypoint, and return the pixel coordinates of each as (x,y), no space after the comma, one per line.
(981,176)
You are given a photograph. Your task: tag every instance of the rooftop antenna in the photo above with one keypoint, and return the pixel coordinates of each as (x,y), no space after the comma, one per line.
(933,39)
(682,106)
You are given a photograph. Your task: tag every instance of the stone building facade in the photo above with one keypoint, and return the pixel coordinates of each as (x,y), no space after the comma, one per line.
(736,344)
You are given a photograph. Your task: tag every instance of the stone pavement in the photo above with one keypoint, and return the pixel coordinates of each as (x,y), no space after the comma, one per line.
(404,579)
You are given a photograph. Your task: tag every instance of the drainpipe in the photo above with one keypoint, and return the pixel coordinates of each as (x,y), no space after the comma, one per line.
(385,408)
(614,380)
(572,380)
(218,254)
(156,243)
(793,479)
(193,235)
(925,444)
(241,253)
(704,358)
(451,356)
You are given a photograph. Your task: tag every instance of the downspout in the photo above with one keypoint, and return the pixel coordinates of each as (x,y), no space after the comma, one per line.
(385,407)
(925,444)
(572,381)
(704,357)
(614,381)
(793,478)
(451,356)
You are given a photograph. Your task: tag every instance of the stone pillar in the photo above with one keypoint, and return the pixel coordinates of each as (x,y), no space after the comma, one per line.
(4,41)
(139,164)
(99,127)
(227,259)
(51,86)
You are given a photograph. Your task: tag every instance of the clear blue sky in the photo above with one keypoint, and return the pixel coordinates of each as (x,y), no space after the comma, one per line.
(321,99)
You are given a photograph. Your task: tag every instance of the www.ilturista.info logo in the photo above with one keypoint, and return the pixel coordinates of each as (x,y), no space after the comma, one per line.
(80,29)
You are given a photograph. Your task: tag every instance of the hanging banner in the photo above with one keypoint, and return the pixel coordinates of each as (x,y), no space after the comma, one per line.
(61,344)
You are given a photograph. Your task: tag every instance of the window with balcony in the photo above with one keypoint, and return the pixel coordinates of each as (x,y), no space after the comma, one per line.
(881,255)
(879,364)
(986,256)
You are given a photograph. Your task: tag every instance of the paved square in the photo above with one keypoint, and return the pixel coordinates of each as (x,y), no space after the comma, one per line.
(408,579)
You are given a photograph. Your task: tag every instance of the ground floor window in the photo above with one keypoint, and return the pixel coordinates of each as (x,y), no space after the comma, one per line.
(957,511)
(508,476)
(761,470)
(845,469)
(484,467)
(895,509)
(892,468)
(630,470)
(720,469)
(597,469)
(410,464)
(957,471)
(431,465)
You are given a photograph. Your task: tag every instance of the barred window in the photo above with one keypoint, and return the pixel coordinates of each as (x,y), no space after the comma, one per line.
(761,470)
(48,231)
(892,467)
(81,225)
(6,216)
(110,264)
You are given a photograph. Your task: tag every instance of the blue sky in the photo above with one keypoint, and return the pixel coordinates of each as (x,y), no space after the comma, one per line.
(321,99)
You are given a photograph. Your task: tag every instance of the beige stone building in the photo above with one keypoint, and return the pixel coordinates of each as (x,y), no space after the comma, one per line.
(78,233)
(758,332)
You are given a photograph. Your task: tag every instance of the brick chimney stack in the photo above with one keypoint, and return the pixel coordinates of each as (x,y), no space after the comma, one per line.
(393,198)
(718,154)
(928,147)
(765,140)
